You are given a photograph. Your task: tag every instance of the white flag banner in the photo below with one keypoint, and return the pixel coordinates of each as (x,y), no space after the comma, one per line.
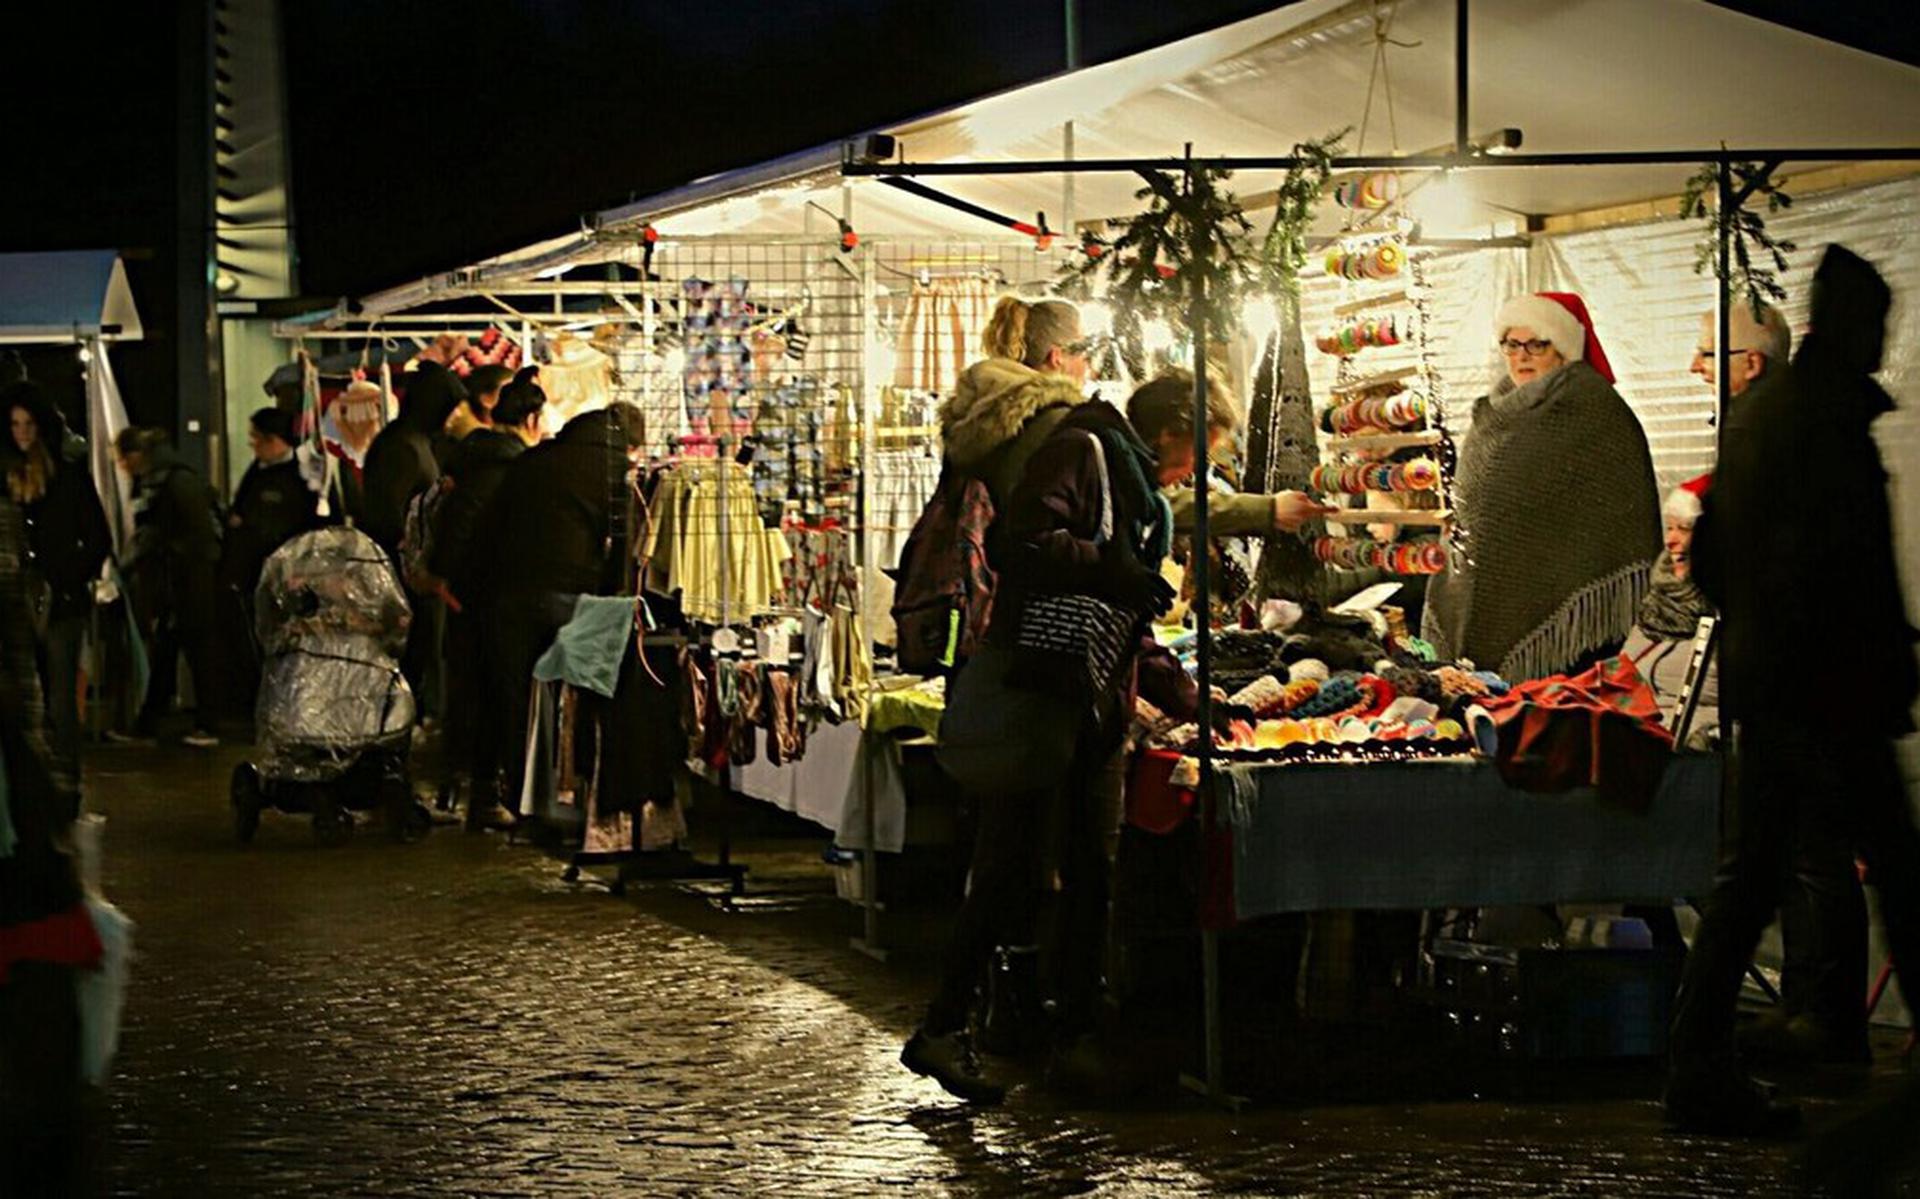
(106,417)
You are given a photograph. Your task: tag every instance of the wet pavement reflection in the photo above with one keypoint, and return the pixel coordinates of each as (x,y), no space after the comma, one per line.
(451,1018)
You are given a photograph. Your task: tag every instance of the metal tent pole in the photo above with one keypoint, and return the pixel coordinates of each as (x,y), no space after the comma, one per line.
(1460,77)
(1721,293)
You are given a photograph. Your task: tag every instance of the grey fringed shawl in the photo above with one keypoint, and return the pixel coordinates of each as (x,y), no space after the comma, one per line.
(1556,497)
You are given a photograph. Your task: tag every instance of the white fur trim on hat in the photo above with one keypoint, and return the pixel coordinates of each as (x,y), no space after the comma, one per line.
(1681,505)
(1547,319)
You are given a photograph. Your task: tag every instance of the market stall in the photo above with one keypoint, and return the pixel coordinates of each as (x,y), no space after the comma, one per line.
(813,309)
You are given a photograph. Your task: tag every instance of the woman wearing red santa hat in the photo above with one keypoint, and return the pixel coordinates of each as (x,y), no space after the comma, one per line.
(1555,497)
(1661,643)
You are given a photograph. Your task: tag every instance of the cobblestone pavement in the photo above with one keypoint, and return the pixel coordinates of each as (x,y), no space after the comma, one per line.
(451,1018)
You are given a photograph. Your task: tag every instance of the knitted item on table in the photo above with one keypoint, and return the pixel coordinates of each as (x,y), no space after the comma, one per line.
(1308,668)
(1494,684)
(1338,694)
(1456,683)
(1265,695)
(1418,683)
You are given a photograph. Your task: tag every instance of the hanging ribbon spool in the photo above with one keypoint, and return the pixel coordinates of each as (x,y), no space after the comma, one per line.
(1371,191)
(1384,261)
(1425,556)
(1351,338)
(1375,414)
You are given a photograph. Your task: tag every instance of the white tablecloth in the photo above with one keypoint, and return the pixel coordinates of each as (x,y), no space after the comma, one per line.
(825,785)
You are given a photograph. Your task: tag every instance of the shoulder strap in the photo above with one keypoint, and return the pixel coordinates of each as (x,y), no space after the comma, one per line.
(1105,533)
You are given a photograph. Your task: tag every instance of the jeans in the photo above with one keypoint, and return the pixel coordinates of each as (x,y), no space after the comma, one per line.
(1038,852)
(1800,791)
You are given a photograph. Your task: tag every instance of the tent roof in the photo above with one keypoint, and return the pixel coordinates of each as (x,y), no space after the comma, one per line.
(1573,75)
(61,295)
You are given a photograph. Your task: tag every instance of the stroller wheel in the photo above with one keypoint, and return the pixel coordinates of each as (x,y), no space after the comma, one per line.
(244,793)
(332,824)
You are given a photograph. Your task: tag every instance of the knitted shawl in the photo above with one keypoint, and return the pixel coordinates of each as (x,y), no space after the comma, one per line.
(1556,498)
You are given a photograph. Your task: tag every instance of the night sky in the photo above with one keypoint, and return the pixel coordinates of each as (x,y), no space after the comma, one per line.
(429,134)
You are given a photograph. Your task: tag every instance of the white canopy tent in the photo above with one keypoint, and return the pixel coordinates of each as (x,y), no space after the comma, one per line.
(1575,76)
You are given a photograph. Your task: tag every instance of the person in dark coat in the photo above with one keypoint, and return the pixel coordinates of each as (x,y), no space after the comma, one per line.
(172,569)
(1048,537)
(1821,771)
(557,528)
(478,469)
(401,462)
(272,505)
(69,539)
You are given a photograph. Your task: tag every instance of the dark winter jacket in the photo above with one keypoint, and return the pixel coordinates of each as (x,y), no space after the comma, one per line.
(477,469)
(557,514)
(176,542)
(67,529)
(272,505)
(1784,563)
(401,462)
(1046,537)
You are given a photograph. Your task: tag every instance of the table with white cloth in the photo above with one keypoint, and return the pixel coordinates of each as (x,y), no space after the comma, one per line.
(1452,833)
(826,785)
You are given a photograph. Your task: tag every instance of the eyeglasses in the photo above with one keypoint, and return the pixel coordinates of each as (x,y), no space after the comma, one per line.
(1707,352)
(1533,348)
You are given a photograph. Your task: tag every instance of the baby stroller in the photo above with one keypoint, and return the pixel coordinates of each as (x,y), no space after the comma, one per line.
(335,716)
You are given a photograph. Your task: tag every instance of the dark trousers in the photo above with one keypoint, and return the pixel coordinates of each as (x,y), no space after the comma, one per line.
(1040,857)
(173,636)
(60,680)
(517,630)
(460,666)
(43,1107)
(1801,794)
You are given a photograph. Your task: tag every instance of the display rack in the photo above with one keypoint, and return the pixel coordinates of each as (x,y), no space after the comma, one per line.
(1383,440)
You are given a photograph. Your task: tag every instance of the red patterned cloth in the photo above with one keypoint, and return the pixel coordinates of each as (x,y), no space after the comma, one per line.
(65,939)
(1598,729)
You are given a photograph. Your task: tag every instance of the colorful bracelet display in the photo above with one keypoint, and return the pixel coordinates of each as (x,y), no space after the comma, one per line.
(1422,556)
(1374,191)
(1384,261)
(1421,474)
(1351,338)
(1378,411)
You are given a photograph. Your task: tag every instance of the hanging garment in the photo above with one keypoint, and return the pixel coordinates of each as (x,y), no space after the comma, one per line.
(938,333)
(725,568)
(578,379)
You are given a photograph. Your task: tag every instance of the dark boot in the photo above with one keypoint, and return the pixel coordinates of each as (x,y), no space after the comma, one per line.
(950,1060)
(1016,1022)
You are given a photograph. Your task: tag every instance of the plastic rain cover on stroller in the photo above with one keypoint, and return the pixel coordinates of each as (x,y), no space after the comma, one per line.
(332,622)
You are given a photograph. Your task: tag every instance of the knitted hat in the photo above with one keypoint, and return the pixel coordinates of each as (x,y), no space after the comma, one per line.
(1683,503)
(1560,317)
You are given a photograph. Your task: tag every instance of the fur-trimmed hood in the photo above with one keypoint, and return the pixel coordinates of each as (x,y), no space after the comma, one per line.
(995,399)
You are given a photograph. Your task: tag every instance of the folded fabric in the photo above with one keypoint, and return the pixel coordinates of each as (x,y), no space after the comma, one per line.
(1600,728)
(588,649)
